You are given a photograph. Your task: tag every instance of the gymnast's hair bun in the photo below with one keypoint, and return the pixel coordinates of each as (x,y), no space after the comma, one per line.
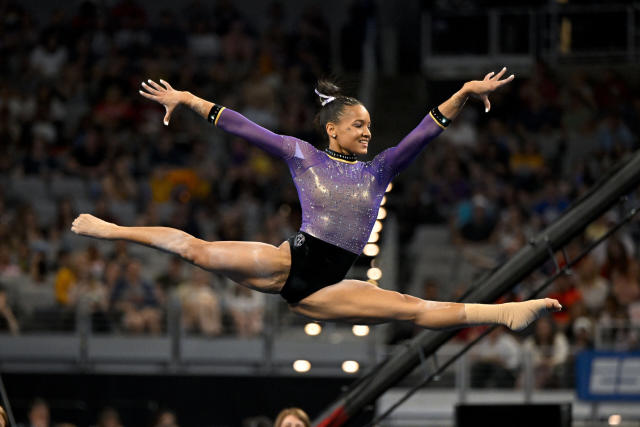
(327,87)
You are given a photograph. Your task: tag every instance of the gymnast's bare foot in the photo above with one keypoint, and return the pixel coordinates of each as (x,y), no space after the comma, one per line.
(519,315)
(89,225)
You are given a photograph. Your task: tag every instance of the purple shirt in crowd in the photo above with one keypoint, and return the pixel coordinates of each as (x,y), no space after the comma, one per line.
(339,199)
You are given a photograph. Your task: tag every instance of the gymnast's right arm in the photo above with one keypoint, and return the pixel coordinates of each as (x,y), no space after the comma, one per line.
(224,118)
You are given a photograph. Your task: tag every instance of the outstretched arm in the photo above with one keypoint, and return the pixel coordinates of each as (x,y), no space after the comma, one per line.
(397,158)
(480,88)
(224,118)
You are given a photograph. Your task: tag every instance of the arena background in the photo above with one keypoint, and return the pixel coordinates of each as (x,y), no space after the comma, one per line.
(76,137)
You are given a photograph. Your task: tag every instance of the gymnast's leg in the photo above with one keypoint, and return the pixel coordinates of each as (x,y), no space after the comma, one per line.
(256,265)
(361,302)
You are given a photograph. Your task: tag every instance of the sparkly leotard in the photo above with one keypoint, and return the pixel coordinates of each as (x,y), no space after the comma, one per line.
(339,199)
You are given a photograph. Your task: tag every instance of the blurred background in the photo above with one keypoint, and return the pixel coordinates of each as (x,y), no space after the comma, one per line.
(108,334)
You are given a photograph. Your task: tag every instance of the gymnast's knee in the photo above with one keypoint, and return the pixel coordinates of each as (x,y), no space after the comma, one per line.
(197,252)
(412,307)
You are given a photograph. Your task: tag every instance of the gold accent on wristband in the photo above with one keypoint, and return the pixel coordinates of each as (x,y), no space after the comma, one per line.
(215,123)
(435,120)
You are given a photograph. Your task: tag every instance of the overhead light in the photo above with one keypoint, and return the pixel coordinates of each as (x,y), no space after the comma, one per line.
(389,187)
(350,366)
(377,227)
(373,238)
(301,365)
(374,273)
(360,330)
(312,329)
(371,249)
(614,420)
(384,200)
(382,213)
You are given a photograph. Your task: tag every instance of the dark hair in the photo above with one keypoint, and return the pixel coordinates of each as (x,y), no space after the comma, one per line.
(332,111)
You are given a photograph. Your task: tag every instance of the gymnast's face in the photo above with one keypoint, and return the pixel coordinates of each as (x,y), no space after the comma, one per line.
(352,133)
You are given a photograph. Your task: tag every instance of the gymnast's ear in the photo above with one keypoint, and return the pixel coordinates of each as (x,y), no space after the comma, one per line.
(330,127)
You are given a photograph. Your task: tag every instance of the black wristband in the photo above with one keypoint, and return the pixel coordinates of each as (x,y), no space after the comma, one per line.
(215,111)
(440,118)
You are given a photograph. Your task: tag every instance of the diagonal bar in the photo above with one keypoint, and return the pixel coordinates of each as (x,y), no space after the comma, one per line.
(624,177)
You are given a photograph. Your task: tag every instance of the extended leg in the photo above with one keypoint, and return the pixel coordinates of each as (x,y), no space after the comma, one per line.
(357,301)
(256,265)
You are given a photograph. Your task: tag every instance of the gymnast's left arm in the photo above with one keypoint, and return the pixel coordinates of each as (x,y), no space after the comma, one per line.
(398,158)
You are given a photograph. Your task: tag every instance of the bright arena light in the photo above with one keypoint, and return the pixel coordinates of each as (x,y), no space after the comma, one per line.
(374,237)
(614,420)
(382,213)
(350,366)
(384,200)
(360,330)
(301,366)
(371,249)
(389,187)
(312,329)
(374,273)
(377,227)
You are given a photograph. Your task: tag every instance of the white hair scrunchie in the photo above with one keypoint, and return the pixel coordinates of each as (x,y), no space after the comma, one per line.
(324,99)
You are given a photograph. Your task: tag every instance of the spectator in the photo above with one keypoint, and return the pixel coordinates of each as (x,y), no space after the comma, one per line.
(613,320)
(170,278)
(38,414)
(66,278)
(48,57)
(109,417)
(593,287)
(495,360)
(549,350)
(4,419)
(90,291)
(165,418)
(134,300)
(8,321)
(292,417)
(200,304)
(478,228)
(118,184)
(247,310)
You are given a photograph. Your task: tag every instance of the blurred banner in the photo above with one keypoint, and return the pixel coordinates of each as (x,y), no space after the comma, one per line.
(608,375)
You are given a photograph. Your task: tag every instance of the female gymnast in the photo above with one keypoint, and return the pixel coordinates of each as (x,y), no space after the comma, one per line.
(340,198)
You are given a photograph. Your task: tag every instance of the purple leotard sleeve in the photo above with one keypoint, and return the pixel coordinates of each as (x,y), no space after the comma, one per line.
(395,159)
(237,124)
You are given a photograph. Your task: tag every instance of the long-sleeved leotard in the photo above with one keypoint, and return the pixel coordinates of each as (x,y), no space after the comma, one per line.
(339,199)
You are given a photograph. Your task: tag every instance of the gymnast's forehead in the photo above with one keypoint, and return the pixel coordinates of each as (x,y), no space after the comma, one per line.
(356,112)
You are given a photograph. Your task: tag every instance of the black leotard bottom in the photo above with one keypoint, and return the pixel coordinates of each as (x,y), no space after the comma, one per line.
(314,265)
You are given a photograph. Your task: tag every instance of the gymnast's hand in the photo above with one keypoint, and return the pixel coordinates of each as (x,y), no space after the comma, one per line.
(164,94)
(482,88)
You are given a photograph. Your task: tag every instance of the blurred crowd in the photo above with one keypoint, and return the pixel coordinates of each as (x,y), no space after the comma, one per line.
(39,415)
(77,137)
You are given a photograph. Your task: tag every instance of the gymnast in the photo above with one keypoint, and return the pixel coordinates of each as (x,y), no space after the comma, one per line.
(340,197)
